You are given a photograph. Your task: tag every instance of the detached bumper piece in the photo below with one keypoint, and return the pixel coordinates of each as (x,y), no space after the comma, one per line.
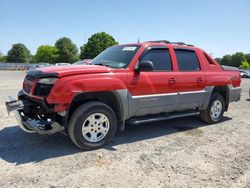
(32,125)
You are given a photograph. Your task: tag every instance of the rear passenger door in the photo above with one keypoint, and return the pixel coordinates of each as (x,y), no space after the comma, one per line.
(190,79)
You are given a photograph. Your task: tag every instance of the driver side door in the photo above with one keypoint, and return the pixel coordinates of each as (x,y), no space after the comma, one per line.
(154,91)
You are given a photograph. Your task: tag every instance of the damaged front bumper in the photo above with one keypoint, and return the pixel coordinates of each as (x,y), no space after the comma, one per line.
(31,124)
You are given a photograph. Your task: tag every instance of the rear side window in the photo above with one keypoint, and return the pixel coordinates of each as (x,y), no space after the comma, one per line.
(209,60)
(187,60)
(160,59)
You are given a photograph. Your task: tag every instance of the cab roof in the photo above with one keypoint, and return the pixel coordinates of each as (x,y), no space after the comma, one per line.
(167,43)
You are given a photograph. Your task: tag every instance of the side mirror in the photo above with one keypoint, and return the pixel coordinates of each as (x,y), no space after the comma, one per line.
(144,66)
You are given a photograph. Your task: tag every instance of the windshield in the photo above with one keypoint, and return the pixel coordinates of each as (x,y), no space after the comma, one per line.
(116,56)
(78,63)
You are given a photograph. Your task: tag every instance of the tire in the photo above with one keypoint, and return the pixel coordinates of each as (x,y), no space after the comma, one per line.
(92,125)
(211,114)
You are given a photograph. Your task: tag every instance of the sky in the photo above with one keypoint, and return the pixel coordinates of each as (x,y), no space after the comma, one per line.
(218,26)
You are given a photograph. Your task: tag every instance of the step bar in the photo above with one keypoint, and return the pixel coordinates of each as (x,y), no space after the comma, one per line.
(160,117)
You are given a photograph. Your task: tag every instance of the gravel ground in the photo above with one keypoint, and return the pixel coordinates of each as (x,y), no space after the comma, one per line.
(176,153)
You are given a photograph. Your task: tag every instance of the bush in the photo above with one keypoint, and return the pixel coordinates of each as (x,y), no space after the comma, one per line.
(244,65)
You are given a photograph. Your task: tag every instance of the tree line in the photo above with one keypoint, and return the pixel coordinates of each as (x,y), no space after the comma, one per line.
(238,59)
(64,50)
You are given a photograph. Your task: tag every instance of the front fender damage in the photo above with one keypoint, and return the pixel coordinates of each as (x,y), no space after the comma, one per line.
(32,122)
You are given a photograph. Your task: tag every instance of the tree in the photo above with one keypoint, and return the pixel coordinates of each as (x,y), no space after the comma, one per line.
(67,50)
(226,60)
(244,65)
(218,60)
(33,59)
(247,57)
(46,53)
(237,58)
(3,58)
(96,44)
(19,53)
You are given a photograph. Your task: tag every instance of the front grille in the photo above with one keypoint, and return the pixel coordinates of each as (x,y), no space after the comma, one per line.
(43,90)
(27,83)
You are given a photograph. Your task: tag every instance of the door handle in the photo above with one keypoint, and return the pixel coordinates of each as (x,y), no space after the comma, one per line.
(199,80)
(171,80)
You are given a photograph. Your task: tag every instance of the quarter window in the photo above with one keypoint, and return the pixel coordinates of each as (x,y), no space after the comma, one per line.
(208,59)
(187,60)
(160,58)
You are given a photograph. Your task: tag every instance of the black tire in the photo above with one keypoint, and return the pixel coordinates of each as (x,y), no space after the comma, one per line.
(80,116)
(206,116)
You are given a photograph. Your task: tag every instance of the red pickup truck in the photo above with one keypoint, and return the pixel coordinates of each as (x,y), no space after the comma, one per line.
(132,83)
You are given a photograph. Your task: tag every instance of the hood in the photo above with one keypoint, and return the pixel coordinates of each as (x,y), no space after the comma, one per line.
(61,71)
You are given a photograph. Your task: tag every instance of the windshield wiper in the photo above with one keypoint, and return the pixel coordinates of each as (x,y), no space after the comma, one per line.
(101,64)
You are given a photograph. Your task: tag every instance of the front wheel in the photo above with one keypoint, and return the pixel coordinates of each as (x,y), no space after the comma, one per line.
(215,109)
(92,125)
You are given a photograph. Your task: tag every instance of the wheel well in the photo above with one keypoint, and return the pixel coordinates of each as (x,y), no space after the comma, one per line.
(224,91)
(110,98)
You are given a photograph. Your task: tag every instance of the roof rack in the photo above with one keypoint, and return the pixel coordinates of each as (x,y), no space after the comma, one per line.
(181,43)
(160,41)
(168,42)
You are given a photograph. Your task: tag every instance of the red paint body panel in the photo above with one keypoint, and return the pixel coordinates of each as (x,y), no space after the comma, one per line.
(75,70)
(68,87)
(91,78)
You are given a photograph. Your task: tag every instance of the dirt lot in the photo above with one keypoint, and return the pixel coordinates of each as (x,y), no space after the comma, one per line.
(176,153)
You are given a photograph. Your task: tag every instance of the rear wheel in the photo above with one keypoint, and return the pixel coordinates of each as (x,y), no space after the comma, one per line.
(215,109)
(92,125)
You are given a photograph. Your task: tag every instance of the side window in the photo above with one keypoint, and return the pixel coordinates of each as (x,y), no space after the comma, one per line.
(187,60)
(160,59)
(208,59)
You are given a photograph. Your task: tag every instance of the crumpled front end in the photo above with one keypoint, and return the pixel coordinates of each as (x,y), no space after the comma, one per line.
(35,115)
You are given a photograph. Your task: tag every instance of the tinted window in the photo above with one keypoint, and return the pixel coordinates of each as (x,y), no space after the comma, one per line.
(187,60)
(116,56)
(160,59)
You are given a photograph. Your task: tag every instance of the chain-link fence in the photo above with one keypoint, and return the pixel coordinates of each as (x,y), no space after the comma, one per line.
(15,66)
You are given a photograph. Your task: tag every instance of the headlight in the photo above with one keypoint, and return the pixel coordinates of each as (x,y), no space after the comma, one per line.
(49,81)
(44,86)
